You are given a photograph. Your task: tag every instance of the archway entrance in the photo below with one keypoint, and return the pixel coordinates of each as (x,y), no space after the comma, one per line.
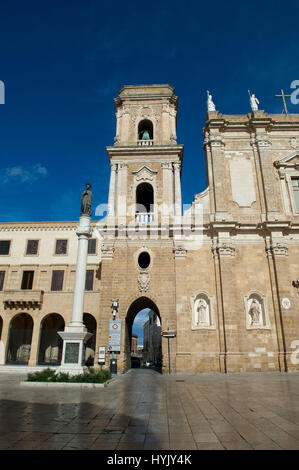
(91,325)
(19,343)
(50,347)
(148,332)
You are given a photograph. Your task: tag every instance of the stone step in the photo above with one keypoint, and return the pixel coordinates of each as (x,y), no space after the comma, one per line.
(22,369)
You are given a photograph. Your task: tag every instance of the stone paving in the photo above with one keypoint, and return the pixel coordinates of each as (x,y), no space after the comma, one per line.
(143,409)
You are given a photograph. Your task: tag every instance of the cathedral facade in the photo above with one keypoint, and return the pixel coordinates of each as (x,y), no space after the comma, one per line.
(222,274)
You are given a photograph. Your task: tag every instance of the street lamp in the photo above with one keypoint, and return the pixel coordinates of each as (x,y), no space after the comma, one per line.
(114,307)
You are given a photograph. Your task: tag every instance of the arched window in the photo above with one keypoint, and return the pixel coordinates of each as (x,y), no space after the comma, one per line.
(145,130)
(144,198)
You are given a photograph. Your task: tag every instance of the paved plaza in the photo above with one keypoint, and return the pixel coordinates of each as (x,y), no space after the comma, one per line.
(143,409)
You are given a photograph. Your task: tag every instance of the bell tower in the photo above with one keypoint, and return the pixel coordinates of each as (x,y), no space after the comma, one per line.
(145,158)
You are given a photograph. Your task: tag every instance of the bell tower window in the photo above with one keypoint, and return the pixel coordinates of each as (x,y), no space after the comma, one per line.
(144,202)
(145,132)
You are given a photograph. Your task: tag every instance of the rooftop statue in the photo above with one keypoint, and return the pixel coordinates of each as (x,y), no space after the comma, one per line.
(210,103)
(253,101)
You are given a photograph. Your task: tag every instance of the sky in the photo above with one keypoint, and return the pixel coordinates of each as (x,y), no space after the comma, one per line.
(63,62)
(138,324)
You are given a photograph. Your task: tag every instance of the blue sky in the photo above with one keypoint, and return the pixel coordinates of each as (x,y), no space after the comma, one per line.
(139,321)
(63,62)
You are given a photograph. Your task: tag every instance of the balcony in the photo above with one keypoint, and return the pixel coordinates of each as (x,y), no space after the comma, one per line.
(144,218)
(145,143)
(23,298)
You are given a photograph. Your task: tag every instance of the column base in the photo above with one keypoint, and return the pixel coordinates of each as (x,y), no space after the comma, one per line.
(73,352)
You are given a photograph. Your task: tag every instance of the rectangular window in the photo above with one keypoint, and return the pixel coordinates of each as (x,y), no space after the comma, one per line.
(32,247)
(92,246)
(295,185)
(27,280)
(57,280)
(4,247)
(2,276)
(61,247)
(89,279)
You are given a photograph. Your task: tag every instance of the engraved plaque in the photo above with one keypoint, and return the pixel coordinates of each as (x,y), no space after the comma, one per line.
(71,353)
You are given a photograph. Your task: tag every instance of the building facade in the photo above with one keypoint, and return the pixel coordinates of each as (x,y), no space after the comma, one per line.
(222,274)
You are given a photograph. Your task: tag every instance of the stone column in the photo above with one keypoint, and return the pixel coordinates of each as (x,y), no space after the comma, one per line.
(177,189)
(4,339)
(122,194)
(112,187)
(75,334)
(34,350)
(168,196)
(270,186)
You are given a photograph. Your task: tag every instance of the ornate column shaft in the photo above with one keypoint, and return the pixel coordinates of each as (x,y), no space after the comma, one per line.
(122,193)
(112,187)
(177,189)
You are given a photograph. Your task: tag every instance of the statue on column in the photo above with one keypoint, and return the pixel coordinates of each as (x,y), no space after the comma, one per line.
(210,103)
(86,201)
(254,102)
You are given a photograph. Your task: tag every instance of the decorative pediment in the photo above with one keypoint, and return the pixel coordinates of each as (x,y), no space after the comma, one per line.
(291,161)
(144,174)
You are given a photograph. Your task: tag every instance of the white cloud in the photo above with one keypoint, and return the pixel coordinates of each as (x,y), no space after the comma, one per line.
(23,174)
(141,318)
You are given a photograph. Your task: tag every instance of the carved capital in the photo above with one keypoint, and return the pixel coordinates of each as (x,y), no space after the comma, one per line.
(166,165)
(223,249)
(277,249)
(263,142)
(107,251)
(179,252)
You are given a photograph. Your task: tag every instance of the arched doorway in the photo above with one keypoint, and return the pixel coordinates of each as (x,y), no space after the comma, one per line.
(152,345)
(19,343)
(90,347)
(50,346)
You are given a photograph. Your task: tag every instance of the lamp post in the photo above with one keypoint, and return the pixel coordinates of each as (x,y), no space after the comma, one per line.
(113,330)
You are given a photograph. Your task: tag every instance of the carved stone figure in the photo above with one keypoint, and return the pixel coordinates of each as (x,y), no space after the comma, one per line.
(210,103)
(86,201)
(254,102)
(201,313)
(255,312)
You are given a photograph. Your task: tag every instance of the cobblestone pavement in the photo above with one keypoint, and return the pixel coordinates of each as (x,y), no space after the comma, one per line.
(146,410)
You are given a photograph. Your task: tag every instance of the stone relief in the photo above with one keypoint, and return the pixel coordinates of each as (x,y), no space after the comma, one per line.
(143,281)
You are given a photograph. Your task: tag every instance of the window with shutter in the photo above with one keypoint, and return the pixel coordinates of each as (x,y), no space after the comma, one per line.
(2,276)
(32,247)
(61,247)
(89,279)
(57,279)
(4,247)
(27,280)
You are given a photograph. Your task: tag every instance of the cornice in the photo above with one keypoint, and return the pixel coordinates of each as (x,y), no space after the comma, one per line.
(40,226)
